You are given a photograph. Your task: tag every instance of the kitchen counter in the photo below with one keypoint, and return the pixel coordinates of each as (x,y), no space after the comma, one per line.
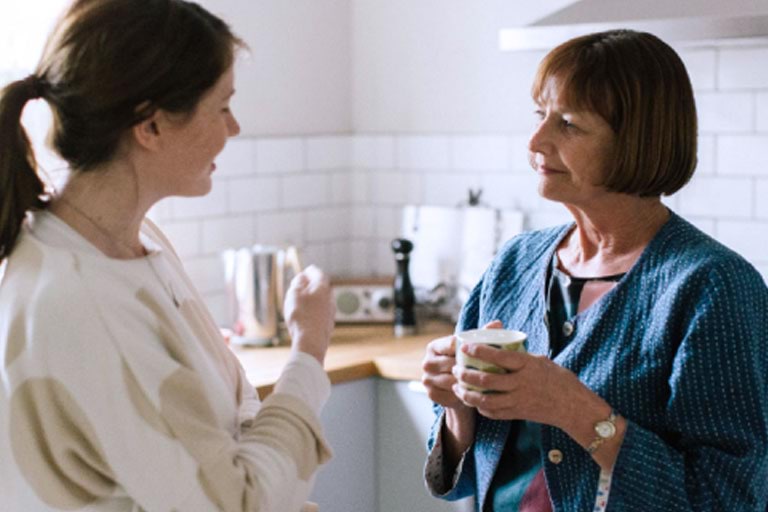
(356,352)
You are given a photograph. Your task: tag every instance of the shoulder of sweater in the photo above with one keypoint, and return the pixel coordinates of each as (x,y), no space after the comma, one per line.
(43,287)
(685,258)
(54,281)
(522,254)
(686,246)
(33,266)
(532,242)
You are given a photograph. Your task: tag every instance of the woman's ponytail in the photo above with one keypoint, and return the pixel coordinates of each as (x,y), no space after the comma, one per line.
(21,189)
(107,66)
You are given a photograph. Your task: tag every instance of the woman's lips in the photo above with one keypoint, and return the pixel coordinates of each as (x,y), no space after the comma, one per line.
(543,169)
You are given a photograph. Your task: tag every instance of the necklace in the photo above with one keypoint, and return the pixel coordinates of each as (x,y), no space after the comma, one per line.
(104,232)
(144,253)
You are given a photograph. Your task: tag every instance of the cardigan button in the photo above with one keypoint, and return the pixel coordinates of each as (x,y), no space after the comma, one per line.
(567,328)
(555,456)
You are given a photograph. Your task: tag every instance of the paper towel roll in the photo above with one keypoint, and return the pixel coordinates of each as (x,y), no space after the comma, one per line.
(436,235)
(455,245)
(478,244)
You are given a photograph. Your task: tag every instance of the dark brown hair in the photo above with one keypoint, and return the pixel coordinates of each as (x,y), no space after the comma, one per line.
(639,85)
(107,66)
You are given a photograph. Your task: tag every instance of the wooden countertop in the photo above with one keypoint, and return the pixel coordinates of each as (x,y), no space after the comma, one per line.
(356,352)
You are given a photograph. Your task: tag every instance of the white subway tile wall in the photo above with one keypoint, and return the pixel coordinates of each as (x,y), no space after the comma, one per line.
(339,197)
(248,195)
(703,196)
(341,187)
(280,228)
(395,188)
(219,234)
(478,153)
(725,112)
(279,155)
(423,152)
(706,154)
(363,222)
(444,189)
(761,199)
(325,153)
(762,112)
(701,65)
(328,225)
(373,152)
(305,191)
(742,68)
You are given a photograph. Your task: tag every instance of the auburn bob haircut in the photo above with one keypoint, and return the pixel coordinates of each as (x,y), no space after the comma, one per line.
(639,85)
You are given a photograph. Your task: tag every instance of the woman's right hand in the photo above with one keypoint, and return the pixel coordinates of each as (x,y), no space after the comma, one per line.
(309,312)
(459,427)
(438,365)
(438,377)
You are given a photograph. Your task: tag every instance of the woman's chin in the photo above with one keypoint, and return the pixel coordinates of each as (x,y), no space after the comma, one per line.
(549,192)
(200,188)
(205,188)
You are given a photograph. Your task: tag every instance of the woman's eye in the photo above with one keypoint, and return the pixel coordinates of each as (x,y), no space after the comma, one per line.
(539,114)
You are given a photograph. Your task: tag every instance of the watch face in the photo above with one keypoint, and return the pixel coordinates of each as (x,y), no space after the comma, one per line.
(605,429)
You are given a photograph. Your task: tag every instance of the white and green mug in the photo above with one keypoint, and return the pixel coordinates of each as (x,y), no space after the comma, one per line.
(504,339)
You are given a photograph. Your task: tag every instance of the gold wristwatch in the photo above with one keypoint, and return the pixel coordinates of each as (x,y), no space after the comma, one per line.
(605,430)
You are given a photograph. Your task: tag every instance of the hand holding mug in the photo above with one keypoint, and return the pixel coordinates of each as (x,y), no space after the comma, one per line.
(530,388)
(438,363)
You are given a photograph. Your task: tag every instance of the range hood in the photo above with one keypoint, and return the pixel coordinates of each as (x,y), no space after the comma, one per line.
(678,22)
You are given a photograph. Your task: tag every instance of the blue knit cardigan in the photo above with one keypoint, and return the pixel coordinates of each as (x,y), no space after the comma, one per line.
(679,348)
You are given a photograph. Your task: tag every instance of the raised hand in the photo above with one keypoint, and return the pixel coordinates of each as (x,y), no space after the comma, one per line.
(309,312)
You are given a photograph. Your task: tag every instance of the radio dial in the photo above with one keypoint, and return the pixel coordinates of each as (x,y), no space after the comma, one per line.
(367,302)
(347,303)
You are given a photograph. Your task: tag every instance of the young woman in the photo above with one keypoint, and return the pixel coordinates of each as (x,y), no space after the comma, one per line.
(116,389)
(645,385)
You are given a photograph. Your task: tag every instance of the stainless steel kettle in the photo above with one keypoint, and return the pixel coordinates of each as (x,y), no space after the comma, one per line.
(256,281)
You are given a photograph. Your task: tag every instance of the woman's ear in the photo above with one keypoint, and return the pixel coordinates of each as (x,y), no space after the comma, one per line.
(147,132)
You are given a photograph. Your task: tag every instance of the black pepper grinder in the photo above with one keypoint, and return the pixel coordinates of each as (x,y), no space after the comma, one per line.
(405,316)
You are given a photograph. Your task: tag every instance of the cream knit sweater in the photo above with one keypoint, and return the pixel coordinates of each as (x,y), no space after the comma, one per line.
(117,392)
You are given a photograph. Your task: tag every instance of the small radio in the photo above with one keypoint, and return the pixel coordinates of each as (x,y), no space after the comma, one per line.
(364,300)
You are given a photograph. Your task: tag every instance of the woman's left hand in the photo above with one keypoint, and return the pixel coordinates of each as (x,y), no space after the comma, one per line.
(535,388)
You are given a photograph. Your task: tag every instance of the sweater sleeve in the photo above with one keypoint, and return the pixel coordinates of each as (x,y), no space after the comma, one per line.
(461,483)
(441,484)
(717,410)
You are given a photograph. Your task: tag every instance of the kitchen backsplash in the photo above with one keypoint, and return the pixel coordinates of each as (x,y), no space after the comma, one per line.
(339,197)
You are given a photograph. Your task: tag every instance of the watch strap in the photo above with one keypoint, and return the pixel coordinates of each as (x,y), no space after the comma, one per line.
(599,440)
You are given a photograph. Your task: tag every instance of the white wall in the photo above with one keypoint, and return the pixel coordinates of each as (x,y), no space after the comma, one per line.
(434,65)
(297,77)
(351,109)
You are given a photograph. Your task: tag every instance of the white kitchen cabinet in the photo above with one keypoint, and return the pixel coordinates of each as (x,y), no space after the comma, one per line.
(404,416)
(348,482)
(378,431)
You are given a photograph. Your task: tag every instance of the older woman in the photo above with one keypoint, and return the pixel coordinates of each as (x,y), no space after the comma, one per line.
(117,392)
(645,385)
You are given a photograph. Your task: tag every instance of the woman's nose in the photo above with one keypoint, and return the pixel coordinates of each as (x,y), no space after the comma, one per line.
(539,137)
(234,126)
